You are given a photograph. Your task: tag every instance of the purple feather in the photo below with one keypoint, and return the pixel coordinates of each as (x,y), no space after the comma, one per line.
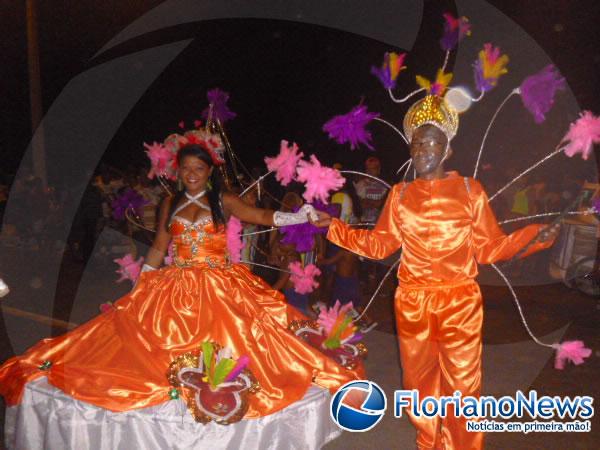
(332,209)
(351,127)
(355,338)
(482,84)
(384,76)
(221,111)
(454,31)
(596,206)
(302,236)
(537,91)
(241,364)
(129,199)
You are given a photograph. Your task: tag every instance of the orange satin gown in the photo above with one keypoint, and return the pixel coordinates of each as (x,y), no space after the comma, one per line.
(119,359)
(444,228)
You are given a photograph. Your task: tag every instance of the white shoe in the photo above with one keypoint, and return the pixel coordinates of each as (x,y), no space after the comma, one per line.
(4,290)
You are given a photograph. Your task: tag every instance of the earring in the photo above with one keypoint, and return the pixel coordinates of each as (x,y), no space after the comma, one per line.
(209,185)
(179,184)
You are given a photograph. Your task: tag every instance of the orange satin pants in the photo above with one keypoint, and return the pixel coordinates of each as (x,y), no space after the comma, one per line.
(439,333)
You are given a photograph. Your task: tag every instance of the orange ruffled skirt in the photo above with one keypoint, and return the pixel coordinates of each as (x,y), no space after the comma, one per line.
(119,359)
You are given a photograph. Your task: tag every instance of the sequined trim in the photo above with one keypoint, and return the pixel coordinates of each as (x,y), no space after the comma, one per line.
(200,222)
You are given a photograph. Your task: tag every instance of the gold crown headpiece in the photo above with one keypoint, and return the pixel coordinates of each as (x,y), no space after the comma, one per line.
(431,110)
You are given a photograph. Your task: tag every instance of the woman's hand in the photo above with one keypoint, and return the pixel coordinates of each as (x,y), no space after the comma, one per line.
(324,219)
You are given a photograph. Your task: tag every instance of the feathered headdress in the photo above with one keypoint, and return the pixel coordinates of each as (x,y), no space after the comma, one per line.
(210,142)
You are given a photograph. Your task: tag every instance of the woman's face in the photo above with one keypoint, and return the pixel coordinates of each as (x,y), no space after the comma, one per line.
(194,173)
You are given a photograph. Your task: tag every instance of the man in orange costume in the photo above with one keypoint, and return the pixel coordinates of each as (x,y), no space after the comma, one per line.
(445,226)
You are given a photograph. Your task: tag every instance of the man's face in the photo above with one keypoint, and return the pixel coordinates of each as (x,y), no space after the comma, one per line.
(427,149)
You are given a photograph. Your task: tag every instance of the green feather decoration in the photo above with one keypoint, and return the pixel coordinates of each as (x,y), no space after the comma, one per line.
(223,368)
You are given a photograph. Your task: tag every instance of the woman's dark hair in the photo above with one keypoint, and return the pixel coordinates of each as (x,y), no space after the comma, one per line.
(213,194)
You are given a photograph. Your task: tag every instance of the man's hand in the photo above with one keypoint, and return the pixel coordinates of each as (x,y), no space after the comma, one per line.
(324,219)
(549,233)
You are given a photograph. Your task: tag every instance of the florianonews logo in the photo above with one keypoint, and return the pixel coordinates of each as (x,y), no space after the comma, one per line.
(358,405)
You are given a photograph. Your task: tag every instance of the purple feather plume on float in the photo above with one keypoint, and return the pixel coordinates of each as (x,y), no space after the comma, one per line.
(302,236)
(455,29)
(350,127)
(537,91)
(221,111)
(129,199)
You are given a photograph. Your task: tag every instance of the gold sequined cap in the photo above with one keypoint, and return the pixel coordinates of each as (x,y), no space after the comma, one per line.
(431,110)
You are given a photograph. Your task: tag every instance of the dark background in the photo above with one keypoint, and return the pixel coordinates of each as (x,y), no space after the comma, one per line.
(285,78)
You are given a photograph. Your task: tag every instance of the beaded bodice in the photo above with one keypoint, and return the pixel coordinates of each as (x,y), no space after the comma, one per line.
(198,243)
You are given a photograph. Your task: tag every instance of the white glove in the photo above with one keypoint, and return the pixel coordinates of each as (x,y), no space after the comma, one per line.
(281,219)
(147,268)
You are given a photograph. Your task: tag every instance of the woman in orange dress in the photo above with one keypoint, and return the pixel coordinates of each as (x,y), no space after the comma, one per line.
(118,360)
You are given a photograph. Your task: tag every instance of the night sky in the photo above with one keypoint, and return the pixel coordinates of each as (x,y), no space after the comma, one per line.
(285,78)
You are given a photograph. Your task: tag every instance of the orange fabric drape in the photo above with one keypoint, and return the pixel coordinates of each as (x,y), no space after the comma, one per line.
(119,359)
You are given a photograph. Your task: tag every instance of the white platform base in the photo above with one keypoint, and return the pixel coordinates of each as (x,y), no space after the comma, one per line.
(49,419)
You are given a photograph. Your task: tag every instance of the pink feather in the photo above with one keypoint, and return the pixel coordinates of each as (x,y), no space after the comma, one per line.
(129,269)
(234,241)
(573,351)
(582,135)
(304,278)
(169,258)
(161,159)
(320,180)
(284,164)
(181,124)
(328,316)
(241,364)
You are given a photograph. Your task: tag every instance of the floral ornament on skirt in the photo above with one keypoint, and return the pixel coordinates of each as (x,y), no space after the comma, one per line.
(215,386)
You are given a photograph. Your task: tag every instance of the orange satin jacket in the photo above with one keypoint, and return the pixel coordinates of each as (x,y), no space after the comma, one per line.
(444,228)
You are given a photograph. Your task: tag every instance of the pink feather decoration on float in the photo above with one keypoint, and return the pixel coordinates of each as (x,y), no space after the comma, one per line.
(573,351)
(304,278)
(582,135)
(285,163)
(234,240)
(319,180)
(162,161)
(337,324)
(537,91)
(129,269)
(329,316)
